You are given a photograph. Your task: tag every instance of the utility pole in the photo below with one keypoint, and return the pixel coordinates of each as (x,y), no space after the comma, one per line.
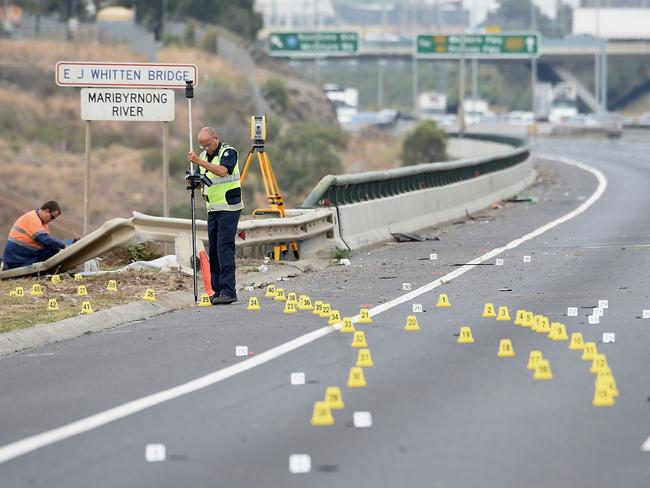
(533,61)
(461,88)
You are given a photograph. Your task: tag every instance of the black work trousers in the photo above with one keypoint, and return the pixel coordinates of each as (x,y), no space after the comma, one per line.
(222,229)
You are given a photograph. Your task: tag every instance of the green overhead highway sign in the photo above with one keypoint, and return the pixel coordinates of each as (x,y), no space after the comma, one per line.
(490,46)
(296,44)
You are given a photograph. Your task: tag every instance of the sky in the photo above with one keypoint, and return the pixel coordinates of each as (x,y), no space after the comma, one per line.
(479,8)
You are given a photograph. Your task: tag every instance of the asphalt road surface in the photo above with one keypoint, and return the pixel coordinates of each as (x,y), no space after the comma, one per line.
(443,414)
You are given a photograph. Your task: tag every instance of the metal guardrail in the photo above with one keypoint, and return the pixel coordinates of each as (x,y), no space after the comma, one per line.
(335,190)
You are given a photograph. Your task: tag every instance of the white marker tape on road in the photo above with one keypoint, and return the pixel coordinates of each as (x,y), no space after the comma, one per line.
(572,311)
(406,286)
(155,453)
(598,312)
(362,420)
(241,351)
(417,308)
(29,444)
(646,314)
(593,319)
(433,256)
(603,303)
(499,262)
(526,259)
(298,378)
(609,337)
(645,447)
(299,463)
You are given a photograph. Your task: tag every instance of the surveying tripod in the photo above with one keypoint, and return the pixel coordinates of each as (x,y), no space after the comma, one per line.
(271,187)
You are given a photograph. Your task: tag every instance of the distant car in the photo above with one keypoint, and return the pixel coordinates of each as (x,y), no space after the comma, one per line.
(644,120)
(519,117)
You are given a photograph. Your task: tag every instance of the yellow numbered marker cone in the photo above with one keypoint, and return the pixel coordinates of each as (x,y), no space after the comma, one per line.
(112,285)
(78,277)
(505,349)
(12,293)
(603,397)
(465,336)
(599,364)
(52,304)
(318,307)
(56,279)
(304,303)
(37,290)
(504,313)
(364,359)
(253,303)
(86,308)
(292,297)
(359,339)
(205,300)
(558,332)
(322,414)
(412,324)
(270,291)
(443,301)
(348,326)
(537,323)
(364,316)
(520,317)
(606,380)
(488,311)
(334,398)
(279,295)
(543,325)
(589,351)
(577,341)
(325,312)
(20,291)
(529,319)
(149,295)
(356,379)
(533,359)
(290,307)
(543,371)
(82,291)
(335,317)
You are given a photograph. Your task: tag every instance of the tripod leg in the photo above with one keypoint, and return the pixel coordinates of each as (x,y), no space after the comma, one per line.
(249,158)
(275,188)
(265,178)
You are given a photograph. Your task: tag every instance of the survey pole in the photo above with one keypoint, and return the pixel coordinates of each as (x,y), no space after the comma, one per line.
(86,208)
(165,179)
(461,88)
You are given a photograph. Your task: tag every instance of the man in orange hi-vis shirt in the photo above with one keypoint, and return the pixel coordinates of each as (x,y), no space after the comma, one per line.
(30,240)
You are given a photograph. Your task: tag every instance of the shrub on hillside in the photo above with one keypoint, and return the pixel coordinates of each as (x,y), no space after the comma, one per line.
(426,143)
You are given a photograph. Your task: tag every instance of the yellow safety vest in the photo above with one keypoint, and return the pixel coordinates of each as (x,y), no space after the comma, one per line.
(215,195)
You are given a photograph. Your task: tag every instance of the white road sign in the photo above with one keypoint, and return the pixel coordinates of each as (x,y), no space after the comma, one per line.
(143,75)
(127,104)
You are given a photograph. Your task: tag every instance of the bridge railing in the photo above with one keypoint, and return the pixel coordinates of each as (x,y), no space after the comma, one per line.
(335,190)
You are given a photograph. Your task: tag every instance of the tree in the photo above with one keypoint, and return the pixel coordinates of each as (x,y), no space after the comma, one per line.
(516,15)
(425,144)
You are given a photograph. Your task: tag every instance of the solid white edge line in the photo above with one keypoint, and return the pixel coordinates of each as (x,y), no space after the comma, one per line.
(29,444)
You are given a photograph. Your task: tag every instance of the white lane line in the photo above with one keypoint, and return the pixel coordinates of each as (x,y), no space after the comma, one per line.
(43,439)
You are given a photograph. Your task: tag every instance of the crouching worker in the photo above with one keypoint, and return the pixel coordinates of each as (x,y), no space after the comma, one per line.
(29,239)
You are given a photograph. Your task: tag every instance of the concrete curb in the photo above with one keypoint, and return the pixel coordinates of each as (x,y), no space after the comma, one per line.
(43,334)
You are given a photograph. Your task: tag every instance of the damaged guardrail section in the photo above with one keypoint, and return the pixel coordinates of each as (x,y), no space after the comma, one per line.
(371,206)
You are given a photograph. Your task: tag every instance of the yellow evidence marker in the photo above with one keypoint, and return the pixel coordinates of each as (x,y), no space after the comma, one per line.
(465,336)
(292,297)
(318,307)
(52,305)
(86,309)
(290,307)
(12,293)
(520,318)
(112,285)
(37,290)
(443,301)
(412,324)
(505,349)
(359,339)
(602,397)
(529,319)
(348,326)
(543,325)
(364,316)
(82,291)
(322,414)
(504,313)
(606,379)
(55,279)
(270,291)
(534,359)
(149,295)
(304,303)
(205,300)
(279,295)
(334,398)
(253,303)
(20,291)
(335,317)
(543,371)
(325,312)
(78,277)
(599,364)
(364,359)
(589,351)
(577,341)
(558,332)
(356,379)
(488,311)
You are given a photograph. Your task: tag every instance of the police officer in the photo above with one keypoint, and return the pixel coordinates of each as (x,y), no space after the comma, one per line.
(224,203)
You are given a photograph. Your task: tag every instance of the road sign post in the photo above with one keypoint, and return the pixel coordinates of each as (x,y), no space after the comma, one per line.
(312,43)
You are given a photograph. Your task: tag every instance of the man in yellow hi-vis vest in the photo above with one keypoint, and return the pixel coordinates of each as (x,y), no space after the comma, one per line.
(224,203)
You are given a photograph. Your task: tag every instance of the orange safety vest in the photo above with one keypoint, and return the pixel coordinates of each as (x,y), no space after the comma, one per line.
(26,228)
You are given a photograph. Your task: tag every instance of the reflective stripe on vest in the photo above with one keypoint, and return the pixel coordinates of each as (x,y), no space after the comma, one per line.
(215,195)
(26,228)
